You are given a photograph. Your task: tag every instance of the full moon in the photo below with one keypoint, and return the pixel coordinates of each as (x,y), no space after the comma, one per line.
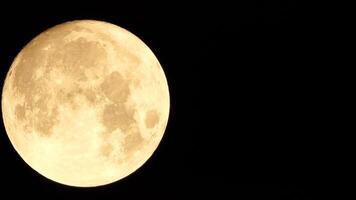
(85,103)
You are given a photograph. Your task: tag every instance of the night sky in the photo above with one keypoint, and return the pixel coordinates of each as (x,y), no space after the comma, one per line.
(232,70)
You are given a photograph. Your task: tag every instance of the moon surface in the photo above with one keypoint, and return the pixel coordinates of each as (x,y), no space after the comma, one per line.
(85,103)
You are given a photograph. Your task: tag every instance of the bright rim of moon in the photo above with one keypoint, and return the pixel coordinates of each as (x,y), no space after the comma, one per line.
(85,103)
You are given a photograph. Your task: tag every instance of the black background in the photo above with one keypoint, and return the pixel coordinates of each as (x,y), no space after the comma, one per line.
(236,128)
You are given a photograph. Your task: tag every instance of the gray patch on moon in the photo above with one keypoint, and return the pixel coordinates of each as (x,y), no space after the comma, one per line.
(118,116)
(20,112)
(45,120)
(37,113)
(78,55)
(116,88)
(23,76)
(91,96)
(118,119)
(132,142)
(152,118)
(46,117)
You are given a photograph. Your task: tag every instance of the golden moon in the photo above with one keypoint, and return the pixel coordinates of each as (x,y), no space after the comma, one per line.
(85,103)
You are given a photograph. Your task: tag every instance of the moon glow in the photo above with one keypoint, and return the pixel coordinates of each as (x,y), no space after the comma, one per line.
(85,103)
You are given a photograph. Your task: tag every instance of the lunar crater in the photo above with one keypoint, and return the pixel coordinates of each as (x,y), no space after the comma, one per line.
(152,118)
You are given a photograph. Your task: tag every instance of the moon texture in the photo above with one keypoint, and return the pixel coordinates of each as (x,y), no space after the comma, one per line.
(85,103)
